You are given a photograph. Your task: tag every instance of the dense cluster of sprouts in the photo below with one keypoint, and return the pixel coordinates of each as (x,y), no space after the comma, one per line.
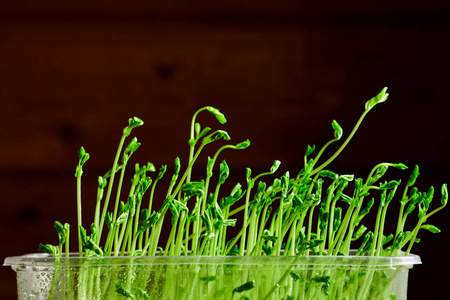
(316,211)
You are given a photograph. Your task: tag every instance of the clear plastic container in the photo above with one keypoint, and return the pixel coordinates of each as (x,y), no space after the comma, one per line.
(40,276)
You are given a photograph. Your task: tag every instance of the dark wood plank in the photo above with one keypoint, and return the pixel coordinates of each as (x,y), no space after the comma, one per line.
(69,79)
(224,7)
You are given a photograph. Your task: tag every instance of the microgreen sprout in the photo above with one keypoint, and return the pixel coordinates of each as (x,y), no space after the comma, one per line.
(83,157)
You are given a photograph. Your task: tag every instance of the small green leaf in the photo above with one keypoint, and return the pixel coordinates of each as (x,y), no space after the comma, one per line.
(337,130)
(323,219)
(204,132)
(248,173)
(209,166)
(309,150)
(410,208)
(221,135)
(122,291)
(145,214)
(162,170)
(177,166)
(430,228)
(83,156)
(90,245)
(148,222)
(361,230)
(109,219)
(444,193)
(245,287)
(429,197)
(83,234)
(208,278)
(294,276)
(194,188)
(132,146)
(224,172)
(215,136)
(219,116)
(135,122)
(314,243)
(390,185)
(337,218)
(347,177)
(235,195)
(265,248)
(328,174)
(346,198)
(270,238)
(230,222)
(81,153)
(381,97)
(149,167)
(401,237)
(400,166)
(387,239)
(140,292)
(197,129)
(365,211)
(413,176)
(380,171)
(275,166)
(49,249)
(132,123)
(123,217)
(243,145)
(325,280)
(59,228)
(367,242)
(102,182)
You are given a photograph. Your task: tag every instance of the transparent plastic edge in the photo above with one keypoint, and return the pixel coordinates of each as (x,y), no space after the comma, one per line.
(45,260)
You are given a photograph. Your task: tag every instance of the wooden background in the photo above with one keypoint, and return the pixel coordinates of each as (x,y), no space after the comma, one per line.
(71,74)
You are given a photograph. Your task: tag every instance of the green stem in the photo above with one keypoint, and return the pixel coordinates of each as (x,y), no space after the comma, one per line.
(192,142)
(79,218)
(377,229)
(119,189)
(342,229)
(110,186)
(413,236)
(244,226)
(380,234)
(67,248)
(336,154)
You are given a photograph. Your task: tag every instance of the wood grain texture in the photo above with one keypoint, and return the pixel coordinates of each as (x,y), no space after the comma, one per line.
(72,74)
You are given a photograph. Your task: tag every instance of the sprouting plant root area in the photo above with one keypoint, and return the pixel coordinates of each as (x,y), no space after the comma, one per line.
(197,281)
(313,212)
